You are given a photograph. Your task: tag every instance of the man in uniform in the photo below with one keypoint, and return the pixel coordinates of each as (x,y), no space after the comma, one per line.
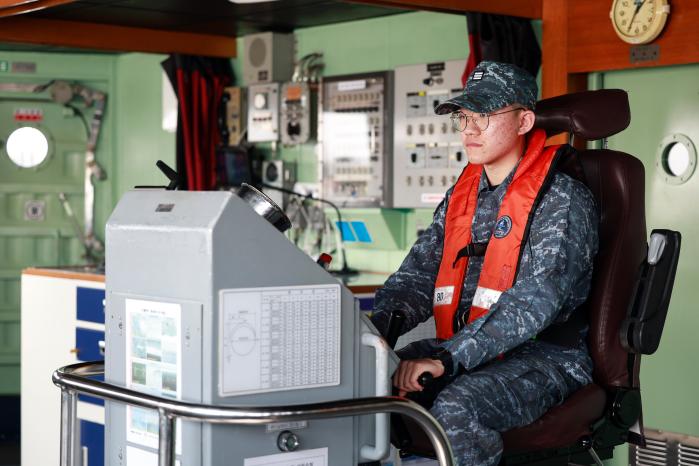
(502,268)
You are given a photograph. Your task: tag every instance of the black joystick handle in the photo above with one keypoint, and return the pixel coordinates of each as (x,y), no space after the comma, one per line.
(425,379)
(395,324)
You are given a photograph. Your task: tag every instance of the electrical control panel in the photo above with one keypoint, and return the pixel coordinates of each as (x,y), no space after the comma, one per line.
(234,101)
(356,139)
(263,112)
(298,111)
(428,155)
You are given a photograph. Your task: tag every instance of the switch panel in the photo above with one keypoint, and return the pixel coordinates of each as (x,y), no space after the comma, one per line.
(428,155)
(233,98)
(263,112)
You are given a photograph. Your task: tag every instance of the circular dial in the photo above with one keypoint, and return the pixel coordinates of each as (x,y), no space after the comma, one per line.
(260,101)
(639,21)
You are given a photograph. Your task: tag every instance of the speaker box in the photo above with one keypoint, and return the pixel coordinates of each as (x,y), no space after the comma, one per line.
(268,57)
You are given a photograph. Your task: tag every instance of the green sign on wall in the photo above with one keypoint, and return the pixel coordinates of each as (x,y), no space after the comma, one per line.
(4,66)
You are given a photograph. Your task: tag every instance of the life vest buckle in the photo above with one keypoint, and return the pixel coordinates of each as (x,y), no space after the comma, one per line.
(471,250)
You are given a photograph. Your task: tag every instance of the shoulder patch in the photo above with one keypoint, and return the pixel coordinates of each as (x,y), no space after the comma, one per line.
(503,227)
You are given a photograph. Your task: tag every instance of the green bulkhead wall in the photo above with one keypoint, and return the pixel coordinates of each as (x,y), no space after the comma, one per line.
(664,102)
(131,140)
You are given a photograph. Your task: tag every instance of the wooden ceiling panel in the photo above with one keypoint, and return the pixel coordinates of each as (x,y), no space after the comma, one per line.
(215,16)
(116,15)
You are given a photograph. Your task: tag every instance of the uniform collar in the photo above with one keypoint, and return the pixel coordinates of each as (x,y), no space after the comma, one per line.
(500,190)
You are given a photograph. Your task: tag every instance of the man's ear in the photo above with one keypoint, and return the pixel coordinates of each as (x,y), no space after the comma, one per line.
(526,122)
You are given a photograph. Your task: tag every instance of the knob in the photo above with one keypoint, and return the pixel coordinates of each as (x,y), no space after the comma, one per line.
(288,441)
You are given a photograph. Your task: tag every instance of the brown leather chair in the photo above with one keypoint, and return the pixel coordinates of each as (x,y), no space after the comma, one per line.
(628,301)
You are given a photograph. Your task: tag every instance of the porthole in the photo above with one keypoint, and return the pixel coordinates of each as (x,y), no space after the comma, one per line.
(677,159)
(27,147)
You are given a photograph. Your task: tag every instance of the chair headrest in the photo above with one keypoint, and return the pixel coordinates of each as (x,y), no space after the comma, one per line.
(589,114)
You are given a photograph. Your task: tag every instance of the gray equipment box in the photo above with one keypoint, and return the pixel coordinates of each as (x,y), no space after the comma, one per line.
(208,302)
(263,112)
(428,155)
(298,115)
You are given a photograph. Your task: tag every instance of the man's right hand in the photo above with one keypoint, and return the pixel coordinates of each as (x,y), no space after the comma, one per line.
(406,376)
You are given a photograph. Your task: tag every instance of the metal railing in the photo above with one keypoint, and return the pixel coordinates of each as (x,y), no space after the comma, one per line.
(75,379)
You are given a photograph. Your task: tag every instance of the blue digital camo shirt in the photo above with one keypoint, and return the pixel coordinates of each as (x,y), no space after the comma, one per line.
(554,277)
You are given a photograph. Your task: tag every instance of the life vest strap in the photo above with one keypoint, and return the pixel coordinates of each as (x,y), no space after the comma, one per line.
(471,250)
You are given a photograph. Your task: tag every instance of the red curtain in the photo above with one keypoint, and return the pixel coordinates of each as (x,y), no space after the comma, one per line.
(198,83)
(501,38)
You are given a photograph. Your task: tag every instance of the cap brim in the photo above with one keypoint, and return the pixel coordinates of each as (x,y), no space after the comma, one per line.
(474,103)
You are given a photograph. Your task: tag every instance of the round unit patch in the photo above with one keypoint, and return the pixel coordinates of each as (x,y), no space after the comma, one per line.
(503,226)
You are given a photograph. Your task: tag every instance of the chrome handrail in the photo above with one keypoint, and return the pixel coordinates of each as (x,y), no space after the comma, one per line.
(74,379)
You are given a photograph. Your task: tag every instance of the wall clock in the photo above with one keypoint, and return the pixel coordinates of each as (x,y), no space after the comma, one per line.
(639,21)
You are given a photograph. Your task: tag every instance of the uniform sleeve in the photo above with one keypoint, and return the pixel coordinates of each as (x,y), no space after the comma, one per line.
(561,248)
(411,287)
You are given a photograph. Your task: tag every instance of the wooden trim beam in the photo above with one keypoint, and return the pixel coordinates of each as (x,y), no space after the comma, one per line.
(13,7)
(96,36)
(556,76)
(522,8)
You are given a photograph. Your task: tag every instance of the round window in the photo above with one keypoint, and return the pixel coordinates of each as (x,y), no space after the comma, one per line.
(27,147)
(677,158)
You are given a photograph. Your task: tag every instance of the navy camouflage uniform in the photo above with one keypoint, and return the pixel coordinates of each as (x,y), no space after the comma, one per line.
(486,395)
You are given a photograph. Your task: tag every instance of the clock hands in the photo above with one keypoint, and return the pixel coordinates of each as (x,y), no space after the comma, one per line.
(639,4)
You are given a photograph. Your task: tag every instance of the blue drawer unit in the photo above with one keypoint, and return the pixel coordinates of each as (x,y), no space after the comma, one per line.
(87,342)
(92,443)
(90,304)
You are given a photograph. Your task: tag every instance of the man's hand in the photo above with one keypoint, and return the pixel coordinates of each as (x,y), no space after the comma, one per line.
(405,378)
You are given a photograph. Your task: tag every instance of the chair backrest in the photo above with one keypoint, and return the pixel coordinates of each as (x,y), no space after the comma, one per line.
(617,182)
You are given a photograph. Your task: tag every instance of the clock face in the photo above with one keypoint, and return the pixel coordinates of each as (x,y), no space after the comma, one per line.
(639,21)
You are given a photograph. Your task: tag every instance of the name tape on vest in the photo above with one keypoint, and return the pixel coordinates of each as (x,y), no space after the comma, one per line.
(485,297)
(443,295)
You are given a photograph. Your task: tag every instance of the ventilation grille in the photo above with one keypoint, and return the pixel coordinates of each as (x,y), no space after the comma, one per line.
(665,449)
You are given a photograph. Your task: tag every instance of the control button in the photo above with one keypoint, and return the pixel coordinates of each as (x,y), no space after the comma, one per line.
(444,180)
(421,181)
(430,180)
(459,156)
(408,180)
(413,157)
(445,128)
(430,128)
(422,129)
(409,130)
(288,441)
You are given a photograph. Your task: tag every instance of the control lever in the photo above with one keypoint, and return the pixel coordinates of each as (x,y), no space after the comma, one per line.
(395,324)
(425,379)
(170,174)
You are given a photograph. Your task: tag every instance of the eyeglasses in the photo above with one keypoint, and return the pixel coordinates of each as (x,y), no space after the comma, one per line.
(459,121)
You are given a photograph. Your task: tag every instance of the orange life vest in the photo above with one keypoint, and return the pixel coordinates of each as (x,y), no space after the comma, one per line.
(502,255)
